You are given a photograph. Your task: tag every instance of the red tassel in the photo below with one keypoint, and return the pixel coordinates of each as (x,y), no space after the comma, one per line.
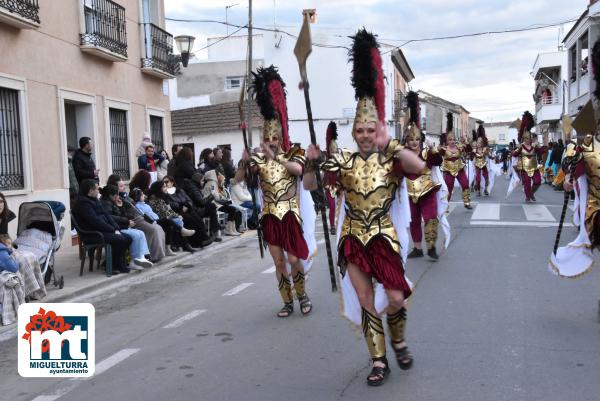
(278,97)
(379,85)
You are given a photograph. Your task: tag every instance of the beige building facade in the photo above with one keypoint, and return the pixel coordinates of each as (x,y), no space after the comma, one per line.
(75,68)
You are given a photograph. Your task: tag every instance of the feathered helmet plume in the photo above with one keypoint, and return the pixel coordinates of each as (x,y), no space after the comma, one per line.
(527,124)
(269,93)
(481,133)
(330,137)
(367,77)
(413,130)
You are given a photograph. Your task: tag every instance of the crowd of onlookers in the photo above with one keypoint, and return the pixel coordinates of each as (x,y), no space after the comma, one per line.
(170,205)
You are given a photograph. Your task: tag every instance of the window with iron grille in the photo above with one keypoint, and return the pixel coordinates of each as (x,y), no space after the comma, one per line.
(11,142)
(156,133)
(119,145)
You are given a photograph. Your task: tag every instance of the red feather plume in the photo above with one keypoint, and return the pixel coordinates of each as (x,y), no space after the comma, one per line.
(278,96)
(379,84)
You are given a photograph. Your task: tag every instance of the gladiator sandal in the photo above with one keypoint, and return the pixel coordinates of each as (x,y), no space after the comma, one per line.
(534,188)
(397,324)
(305,304)
(466,198)
(285,289)
(431,233)
(374,336)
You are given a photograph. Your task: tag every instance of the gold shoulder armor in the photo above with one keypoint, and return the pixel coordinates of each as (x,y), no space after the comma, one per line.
(337,160)
(393,149)
(257,159)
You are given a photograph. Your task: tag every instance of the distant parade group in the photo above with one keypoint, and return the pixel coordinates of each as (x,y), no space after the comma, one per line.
(388,192)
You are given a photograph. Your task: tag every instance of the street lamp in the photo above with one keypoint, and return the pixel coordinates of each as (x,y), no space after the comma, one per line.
(227,9)
(184,45)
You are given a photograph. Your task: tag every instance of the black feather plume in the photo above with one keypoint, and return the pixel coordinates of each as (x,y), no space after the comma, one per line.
(412,100)
(363,73)
(596,67)
(449,122)
(260,90)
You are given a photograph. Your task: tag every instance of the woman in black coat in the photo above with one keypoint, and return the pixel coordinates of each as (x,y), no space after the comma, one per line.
(6,215)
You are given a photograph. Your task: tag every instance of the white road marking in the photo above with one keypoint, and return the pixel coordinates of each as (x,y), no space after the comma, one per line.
(114,360)
(237,289)
(101,367)
(452,206)
(518,223)
(538,213)
(486,211)
(270,270)
(188,316)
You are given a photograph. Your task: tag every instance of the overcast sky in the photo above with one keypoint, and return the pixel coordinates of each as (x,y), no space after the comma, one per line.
(489,75)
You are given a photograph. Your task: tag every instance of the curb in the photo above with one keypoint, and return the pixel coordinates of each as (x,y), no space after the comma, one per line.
(125,279)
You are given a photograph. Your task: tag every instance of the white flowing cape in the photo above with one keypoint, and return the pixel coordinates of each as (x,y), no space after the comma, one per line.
(442,204)
(400,213)
(308,216)
(575,259)
(515,180)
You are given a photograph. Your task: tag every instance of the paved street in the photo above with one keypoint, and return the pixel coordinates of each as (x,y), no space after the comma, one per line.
(486,322)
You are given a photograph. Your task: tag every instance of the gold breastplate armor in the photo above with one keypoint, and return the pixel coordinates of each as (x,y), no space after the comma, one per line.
(452,166)
(370,186)
(591,156)
(278,186)
(528,161)
(481,159)
(421,185)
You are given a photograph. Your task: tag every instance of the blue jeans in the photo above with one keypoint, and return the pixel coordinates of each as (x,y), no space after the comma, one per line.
(139,246)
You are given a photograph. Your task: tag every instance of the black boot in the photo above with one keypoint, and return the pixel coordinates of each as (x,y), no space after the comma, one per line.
(432,253)
(186,246)
(415,253)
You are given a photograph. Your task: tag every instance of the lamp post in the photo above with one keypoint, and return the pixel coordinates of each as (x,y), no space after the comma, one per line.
(185,43)
(226,11)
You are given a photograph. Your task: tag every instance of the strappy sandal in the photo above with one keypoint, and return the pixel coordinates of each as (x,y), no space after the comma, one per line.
(287,310)
(403,357)
(305,303)
(378,374)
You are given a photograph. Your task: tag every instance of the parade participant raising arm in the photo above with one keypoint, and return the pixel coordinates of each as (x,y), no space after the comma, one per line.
(276,169)
(527,154)
(453,165)
(368,244)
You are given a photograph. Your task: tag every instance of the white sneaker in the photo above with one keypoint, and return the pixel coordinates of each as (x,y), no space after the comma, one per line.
(133,266)
(187,233)
(143,262)
(230,230)
(169,252)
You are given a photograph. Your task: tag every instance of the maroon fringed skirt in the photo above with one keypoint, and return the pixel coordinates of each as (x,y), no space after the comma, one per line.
(378,259)
(286,234)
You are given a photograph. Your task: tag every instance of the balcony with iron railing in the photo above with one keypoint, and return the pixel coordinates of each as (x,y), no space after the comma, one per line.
(548,108)
(104,29)
(158,59)
(22,14)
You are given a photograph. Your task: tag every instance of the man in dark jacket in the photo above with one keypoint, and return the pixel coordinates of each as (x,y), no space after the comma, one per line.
(150,160)
(83,164)
(91,216)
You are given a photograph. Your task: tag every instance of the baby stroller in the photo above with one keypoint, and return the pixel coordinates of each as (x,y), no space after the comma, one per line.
(40,232)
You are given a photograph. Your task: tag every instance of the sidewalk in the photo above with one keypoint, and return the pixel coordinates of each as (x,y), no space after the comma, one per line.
(67,264)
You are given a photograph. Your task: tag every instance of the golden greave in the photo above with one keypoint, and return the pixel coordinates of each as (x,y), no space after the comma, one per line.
(397,324)
(466,195)
(299,284)
(431,232)
(285,289)
(374,336)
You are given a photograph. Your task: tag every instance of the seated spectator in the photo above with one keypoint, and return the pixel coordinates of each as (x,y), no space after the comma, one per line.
(181,203)
(227,164)
(217,161)
(11,295)
(240,196)
(141,180)
(154,233)
(150,160)
(213,185)
(6,215)
(29,268)
(185,166)
(205,163)
(113,205)
(163,168)
(158,201)
(173,228)
(7,261)
(205,206)
(173,162)
(91,216)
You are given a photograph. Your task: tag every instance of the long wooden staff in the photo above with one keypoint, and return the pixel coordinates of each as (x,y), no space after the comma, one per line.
(255,216)
(302,51)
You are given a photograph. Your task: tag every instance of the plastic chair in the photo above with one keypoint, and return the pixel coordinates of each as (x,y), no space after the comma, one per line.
(89,242)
